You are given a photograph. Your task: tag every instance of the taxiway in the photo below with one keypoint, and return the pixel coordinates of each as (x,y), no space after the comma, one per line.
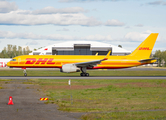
(78,77)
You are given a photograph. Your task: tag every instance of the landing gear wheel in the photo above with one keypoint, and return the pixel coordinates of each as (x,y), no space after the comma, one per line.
(25,74)
(87,74)
(81,74)
(84,74)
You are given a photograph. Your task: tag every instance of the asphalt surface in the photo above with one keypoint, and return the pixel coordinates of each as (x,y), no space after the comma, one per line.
(79,77)
(91,77)
(27,105)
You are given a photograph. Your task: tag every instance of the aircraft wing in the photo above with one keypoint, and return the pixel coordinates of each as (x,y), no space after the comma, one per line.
(88,64)
(92,63)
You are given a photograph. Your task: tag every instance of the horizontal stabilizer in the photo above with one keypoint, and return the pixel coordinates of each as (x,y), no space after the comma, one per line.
(146,60)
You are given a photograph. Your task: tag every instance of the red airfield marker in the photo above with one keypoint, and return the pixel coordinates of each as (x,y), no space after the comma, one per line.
(10,101)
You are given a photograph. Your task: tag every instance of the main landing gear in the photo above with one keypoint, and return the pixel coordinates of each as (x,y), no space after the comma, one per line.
(25,73)
(84,72)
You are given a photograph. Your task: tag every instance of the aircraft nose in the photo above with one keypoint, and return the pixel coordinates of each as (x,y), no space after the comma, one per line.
(8,64)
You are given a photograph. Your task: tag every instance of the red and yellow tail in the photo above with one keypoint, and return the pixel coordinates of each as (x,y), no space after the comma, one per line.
(143,51)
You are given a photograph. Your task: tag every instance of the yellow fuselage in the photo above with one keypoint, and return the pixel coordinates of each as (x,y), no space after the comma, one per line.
(56,61)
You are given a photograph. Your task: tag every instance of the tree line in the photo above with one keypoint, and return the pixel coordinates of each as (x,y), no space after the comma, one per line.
(12,51)
(161,55)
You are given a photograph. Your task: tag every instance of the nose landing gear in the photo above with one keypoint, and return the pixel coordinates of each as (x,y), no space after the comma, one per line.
(25,74)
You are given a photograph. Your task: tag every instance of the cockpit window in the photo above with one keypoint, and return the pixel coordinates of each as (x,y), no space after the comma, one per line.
(13,60)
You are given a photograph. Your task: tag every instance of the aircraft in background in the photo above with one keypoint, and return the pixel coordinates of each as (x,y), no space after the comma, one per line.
(4,61)
(77,63)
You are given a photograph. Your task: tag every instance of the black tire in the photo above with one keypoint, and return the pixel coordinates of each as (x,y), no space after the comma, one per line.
(87,74)
(83,74)
(25,74)
(80,74)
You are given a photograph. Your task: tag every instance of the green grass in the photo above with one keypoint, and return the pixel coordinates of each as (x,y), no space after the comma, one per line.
(105,98)
(146,115)
(91,72)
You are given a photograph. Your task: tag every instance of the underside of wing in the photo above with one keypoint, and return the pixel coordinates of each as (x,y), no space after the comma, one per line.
(88,64)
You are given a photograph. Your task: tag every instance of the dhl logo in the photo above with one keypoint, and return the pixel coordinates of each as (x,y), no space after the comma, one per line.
(40,61)
(144,48)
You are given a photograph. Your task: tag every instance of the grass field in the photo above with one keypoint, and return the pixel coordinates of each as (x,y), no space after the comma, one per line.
(108,99)
(10,72)
(103,99)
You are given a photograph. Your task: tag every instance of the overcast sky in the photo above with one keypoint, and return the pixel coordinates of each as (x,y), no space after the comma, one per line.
(39,23)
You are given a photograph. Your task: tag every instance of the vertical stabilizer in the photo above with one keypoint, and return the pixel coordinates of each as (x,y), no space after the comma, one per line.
(144,50)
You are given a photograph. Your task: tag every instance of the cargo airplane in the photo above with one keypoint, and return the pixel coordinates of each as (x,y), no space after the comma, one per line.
(77,63)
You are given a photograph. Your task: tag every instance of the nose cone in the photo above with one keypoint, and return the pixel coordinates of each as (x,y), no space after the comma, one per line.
(8,64)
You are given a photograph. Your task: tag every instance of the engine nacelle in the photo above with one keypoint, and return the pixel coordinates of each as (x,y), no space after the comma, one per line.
(69,68)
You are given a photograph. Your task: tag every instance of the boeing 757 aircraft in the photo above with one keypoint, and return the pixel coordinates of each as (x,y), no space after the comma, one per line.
(77,63)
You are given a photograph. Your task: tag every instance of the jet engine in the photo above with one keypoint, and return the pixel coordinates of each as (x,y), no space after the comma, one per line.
(69,68)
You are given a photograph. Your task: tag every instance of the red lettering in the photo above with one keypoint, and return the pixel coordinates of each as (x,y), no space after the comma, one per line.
(144,48)
(50,61)
(40,60)
(30,61)
(147,48)
(140,48)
